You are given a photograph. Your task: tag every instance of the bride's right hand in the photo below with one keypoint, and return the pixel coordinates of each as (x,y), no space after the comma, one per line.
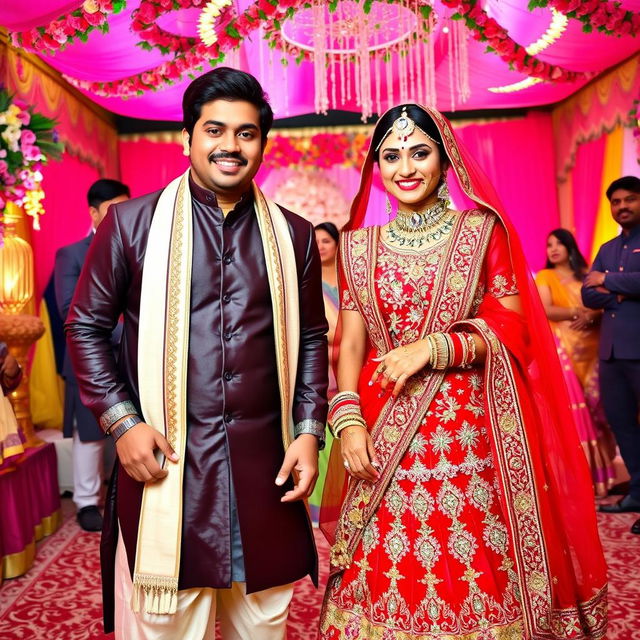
(358,453)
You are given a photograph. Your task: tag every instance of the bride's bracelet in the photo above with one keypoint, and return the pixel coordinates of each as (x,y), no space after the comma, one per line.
(457,349)
(352,420)
(345,404)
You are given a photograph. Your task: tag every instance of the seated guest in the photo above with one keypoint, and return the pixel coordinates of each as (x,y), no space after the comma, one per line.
(613,285)
(576,331)
(10,438)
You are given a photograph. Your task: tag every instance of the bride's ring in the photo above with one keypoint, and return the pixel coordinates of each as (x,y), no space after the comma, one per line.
(383,368)
(346,465)
(393,379)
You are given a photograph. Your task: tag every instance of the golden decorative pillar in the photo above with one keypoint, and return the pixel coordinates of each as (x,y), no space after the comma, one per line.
(18,330)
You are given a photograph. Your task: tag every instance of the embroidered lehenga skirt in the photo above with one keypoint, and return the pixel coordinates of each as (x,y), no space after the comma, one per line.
(434,562)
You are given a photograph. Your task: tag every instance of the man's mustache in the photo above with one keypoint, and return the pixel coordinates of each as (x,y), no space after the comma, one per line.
(228,155)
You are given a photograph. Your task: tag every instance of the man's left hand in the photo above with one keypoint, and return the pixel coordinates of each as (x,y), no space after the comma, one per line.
(301,456)
(594,279)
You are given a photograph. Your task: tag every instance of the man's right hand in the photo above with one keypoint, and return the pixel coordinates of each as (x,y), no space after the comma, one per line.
(135,451)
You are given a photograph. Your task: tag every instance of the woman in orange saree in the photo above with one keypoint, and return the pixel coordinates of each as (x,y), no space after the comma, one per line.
(576,331)
(467,512)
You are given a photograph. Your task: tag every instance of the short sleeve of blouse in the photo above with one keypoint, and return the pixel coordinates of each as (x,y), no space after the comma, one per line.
(347,303)
(500,278)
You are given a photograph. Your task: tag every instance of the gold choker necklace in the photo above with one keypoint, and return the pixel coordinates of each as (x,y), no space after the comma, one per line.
(414,230)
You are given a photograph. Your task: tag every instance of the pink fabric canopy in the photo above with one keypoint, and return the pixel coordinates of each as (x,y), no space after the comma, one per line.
(115,55)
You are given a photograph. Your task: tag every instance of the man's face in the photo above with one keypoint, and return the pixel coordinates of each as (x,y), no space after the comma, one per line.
(226,147)
(625,208)
(98,213)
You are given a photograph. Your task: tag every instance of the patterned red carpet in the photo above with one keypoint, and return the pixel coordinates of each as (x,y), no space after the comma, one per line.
(59,599)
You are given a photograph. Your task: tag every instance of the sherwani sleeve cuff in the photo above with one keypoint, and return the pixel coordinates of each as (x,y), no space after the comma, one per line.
(314,427)
(115,413)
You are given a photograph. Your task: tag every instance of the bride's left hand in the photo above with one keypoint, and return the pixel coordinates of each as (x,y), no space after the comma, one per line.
(399,364)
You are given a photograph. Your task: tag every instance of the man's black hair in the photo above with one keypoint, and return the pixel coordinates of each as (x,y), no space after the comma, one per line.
(106,189)
(224,83)
(628,183)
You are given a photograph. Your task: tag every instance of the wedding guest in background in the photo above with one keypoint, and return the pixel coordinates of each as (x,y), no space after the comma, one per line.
(576,331)
(613,286)
(327,237)
(79,423)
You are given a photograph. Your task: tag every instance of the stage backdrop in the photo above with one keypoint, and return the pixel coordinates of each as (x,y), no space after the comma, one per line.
(517,155)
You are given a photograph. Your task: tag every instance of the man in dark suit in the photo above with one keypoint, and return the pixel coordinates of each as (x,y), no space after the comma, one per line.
(613,284)
(79,422)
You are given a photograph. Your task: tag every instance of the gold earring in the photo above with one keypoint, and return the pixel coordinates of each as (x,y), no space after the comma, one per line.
(388,207)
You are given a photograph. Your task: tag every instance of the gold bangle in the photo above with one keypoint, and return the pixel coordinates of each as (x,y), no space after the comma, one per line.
(347,424)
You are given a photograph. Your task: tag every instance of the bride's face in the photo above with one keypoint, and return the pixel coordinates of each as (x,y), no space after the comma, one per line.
(411,170)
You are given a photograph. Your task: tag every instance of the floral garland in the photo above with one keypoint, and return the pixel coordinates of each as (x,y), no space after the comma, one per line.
(320,151)
(152,36)
(605,16)
(185,61)
(232,30)
(273,28)
(486,29)
(25,138)
(92,14)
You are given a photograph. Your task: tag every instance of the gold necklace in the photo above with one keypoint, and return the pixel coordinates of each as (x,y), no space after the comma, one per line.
(417,229)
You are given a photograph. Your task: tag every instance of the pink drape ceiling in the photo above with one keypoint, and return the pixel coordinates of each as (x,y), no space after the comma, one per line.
(115,55)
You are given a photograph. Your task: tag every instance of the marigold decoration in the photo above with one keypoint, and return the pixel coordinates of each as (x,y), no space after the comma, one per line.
(92,14)
(27,142)
(209,19)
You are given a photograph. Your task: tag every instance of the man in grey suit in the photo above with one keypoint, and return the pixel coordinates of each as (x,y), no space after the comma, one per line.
(79,422)
(613,285)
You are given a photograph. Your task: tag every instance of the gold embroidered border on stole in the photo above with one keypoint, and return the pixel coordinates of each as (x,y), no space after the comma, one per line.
(452,296)
(520,495)
(163,352)
(283,283)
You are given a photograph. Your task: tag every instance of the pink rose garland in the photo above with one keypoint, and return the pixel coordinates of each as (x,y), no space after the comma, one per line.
(92,14)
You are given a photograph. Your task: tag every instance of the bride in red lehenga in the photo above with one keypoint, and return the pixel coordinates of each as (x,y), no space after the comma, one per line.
(468,513)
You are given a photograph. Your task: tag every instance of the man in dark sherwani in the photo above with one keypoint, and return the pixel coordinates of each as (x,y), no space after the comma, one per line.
(79,423)
(613,285)
(244,535)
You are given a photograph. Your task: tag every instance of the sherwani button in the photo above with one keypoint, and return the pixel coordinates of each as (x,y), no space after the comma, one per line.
(228,335)
(226,298)
(227,375)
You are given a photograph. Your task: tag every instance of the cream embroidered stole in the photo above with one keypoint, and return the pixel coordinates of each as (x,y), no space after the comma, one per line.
(163,351)
(451,299)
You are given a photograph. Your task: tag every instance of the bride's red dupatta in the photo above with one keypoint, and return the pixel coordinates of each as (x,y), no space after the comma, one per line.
(544,479)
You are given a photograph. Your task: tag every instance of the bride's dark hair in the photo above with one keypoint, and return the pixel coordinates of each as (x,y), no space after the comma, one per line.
(420,117)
